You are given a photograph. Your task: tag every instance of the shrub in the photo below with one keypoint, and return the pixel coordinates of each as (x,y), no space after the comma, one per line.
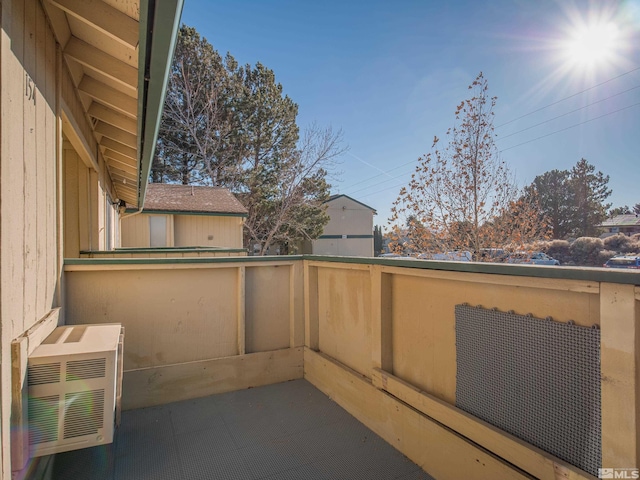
(586,251)
(605,255)
(559,249)
(620,243)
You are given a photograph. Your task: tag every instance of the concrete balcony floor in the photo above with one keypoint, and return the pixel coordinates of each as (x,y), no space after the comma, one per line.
(285,431)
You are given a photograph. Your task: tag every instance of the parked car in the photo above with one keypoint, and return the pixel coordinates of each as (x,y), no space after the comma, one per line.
(396,256)
(532,258)
(623,261)
(457,256)
(492,255)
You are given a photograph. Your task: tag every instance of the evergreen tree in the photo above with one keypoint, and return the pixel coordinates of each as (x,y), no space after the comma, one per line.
(377,240)
(232,126)
(589,190)
(555,199)
(573,200)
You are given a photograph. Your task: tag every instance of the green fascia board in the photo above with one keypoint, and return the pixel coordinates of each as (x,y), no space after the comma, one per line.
(130,250)
(186,212)
(183,260)
(593,274)
(159,24)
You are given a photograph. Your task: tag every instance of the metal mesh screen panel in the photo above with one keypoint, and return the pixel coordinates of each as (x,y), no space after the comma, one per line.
(536,379)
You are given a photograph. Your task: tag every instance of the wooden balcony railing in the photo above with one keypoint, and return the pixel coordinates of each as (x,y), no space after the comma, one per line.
(378,336)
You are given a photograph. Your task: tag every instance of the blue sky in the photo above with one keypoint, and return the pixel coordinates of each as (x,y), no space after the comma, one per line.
(391,73)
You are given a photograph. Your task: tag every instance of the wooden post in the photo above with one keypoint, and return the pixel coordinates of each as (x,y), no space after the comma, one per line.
(292,306)
(311,327)
(241,310)
(619,375)
(381,349)
(19,404)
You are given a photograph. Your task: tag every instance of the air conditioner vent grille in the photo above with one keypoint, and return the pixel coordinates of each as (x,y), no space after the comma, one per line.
(43,374)
(84,414)
(86,369)
(43,419)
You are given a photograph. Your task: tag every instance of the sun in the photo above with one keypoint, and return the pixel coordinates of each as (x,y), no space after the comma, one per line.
(593,45)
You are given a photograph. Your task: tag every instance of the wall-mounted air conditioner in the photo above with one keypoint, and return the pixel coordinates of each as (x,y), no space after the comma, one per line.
(74,380)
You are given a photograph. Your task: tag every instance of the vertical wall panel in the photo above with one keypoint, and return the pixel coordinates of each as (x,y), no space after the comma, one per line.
(28,251)
(261,297)
(344,305)
(194,230)
(29,159)
(135,231)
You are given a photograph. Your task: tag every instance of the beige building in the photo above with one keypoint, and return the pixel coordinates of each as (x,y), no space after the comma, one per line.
(629,224)
(185,216)
(349,231)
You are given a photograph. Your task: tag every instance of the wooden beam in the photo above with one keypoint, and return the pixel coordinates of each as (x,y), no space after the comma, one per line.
(381,331)
(164,384)
(80,143)
(117,134)
(99,61)
(438,450)
(123,103)
(311,318)
(120,186)
(112,117)
(114,159)
(21,348)
(120,173)
(41,330)
(59,23)
(292,306)
(120,148)
(101,16)
(579,286)
(19,404)
(532,460)
(241,317)
(619,350)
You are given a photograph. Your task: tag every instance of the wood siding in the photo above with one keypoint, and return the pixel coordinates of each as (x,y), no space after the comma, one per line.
(195,230)
(28,212)
(185,231)
(134,231)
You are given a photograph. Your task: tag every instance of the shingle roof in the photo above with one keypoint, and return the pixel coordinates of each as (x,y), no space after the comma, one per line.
(191,199)
(622,221)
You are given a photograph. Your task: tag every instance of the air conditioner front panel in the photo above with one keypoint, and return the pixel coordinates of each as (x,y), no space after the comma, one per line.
(72,395)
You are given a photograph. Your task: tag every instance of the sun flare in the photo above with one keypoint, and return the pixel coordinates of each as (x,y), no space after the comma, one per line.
(593,45)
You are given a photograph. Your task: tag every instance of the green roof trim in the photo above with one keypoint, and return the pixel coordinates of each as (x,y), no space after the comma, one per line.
(130,250)
(180,212)
(173,261)
(159,24)
(593,274)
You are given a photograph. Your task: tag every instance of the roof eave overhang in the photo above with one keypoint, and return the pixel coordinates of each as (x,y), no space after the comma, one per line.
(159,24)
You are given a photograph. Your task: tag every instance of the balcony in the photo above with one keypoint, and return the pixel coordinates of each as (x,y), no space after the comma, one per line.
(286,430)
(383,339)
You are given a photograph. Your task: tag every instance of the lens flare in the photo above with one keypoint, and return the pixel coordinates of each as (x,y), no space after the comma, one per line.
(593,45)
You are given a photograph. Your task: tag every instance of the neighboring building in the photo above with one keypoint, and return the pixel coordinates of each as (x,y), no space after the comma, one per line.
(627,224)
(349,231)
(82,86)
(185,216)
